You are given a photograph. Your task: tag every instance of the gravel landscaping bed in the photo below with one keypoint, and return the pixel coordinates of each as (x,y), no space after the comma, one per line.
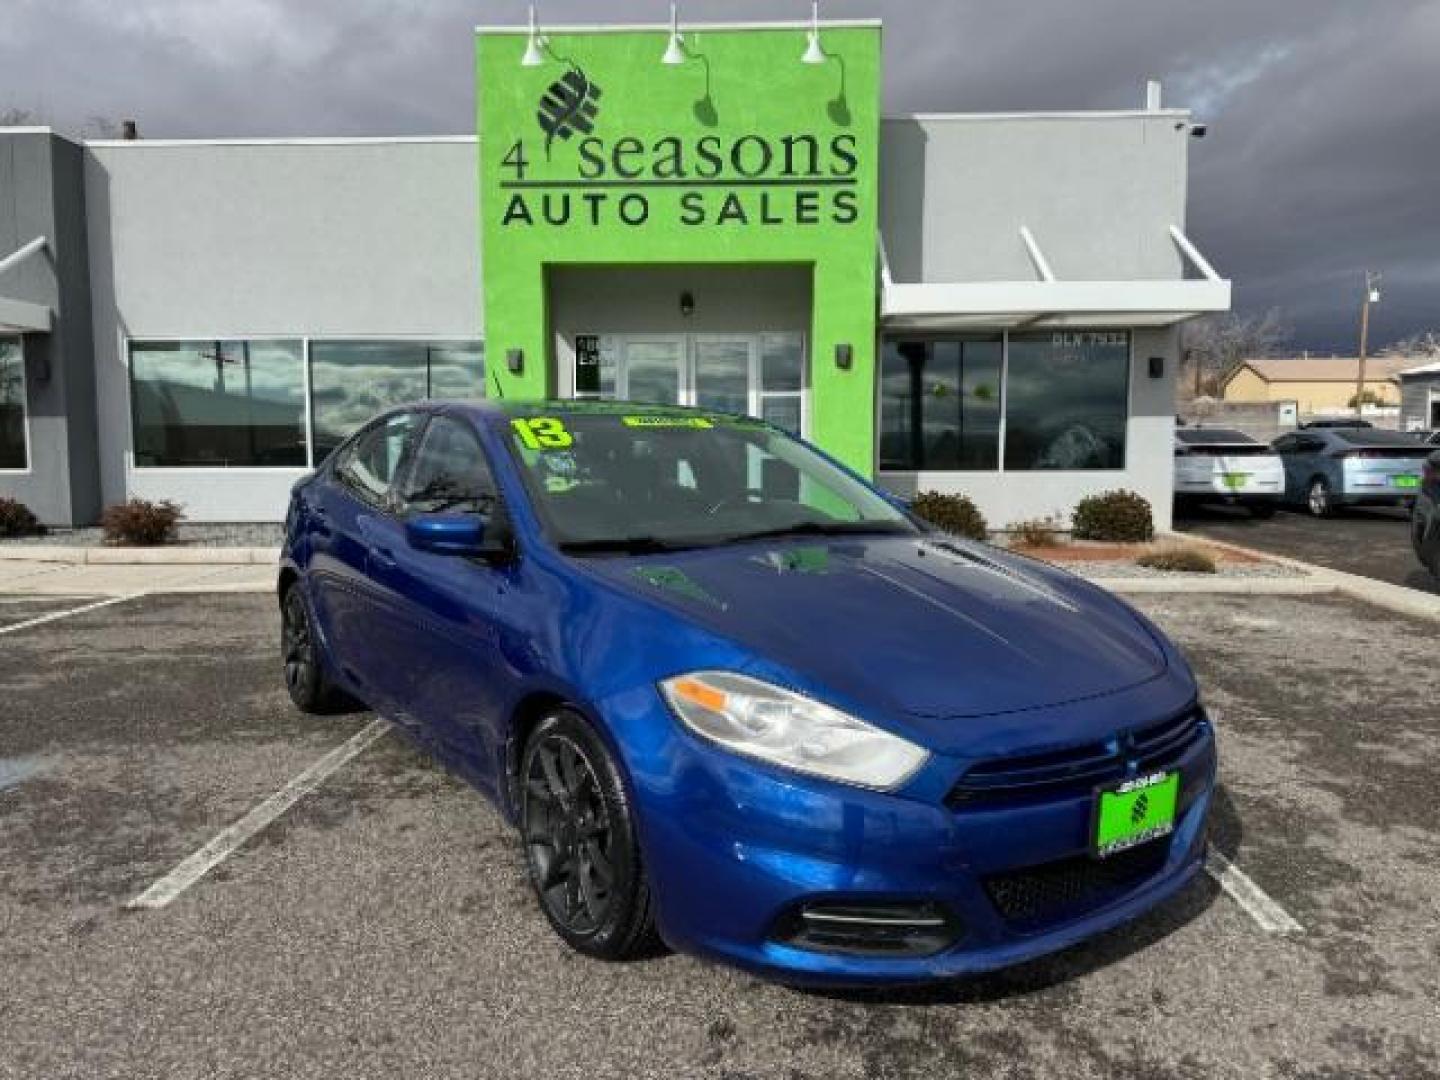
(1116,569)
(214,536)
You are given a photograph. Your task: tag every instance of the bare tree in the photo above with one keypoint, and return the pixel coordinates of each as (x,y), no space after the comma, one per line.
(15,117)
(1424,347)
(1216,345)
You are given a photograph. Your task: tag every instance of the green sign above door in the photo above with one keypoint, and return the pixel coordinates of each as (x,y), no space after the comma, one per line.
(741,154)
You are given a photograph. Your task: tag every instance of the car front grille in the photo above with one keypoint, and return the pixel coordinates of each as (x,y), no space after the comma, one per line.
(1077,770)
(1072,887)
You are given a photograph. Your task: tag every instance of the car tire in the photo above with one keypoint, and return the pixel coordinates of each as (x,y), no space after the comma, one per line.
(582,851)
(1318,499)
(309,686)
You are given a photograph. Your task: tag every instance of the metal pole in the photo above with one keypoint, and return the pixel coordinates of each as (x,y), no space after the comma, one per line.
(1364,345)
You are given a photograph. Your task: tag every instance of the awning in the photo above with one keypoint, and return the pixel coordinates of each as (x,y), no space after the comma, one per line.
(1048,302)
(21,316)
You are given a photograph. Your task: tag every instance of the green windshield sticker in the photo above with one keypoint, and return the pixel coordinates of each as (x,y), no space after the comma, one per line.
(543,433)
(1138,811)
(667,422)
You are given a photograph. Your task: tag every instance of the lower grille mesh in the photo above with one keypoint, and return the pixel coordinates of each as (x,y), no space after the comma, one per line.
(1073,886)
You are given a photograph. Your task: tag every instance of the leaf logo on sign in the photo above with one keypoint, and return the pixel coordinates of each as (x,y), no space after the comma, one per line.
(570,104)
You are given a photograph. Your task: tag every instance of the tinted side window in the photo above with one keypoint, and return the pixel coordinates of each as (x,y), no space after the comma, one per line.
(370,465)
(450,472)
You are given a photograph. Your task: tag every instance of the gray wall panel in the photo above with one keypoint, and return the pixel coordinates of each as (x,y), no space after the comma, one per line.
(1098,192)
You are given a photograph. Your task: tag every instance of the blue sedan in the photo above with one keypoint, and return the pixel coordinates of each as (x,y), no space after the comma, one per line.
(739,701)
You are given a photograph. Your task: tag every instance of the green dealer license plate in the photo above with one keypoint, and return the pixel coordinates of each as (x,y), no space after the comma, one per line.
(1405,481)
(1234,480)
(1135,812)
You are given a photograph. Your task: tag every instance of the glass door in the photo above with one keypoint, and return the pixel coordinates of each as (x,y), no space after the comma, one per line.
(652,369)
(724,373)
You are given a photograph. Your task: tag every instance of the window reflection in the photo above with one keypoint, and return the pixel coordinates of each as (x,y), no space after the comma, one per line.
(12,405)
(940,403)
(351,381)
(218,404)
(1067,400)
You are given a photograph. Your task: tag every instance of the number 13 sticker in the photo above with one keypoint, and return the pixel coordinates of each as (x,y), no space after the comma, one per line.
(543,433)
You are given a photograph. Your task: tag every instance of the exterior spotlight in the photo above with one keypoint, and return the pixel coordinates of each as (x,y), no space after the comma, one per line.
(687,303)
(535,49)
(675,51)
(814,53)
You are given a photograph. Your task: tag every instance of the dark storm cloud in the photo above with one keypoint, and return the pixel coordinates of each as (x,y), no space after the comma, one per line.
(1323,156)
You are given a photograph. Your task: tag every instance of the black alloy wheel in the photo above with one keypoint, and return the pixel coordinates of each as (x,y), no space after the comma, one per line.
(310,689)
(580,843)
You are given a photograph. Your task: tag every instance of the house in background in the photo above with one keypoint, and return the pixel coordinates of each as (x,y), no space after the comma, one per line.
(1318,384)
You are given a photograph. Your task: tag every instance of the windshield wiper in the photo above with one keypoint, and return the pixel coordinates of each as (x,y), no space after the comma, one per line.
(626,545)
(821,528)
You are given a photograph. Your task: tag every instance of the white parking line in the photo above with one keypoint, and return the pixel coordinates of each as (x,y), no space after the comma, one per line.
(1270,916)
(55,615)
(196,866)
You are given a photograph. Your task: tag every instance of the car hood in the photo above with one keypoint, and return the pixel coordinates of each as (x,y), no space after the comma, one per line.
(929,627)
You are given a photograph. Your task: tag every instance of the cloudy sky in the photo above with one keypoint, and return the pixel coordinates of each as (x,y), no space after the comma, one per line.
(1323,157)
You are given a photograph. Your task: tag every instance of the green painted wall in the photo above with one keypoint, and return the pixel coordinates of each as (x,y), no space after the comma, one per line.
(744,156)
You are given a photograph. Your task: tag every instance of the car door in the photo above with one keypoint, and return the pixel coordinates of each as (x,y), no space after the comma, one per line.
(349,510)
(1288,448)
(440,616)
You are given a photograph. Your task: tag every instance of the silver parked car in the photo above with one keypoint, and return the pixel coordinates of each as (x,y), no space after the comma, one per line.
(1329,468)
(1222,465)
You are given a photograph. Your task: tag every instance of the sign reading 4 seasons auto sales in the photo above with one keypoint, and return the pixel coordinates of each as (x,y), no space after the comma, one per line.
(801,179)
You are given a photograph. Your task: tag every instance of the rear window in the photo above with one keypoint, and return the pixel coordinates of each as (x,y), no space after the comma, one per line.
(1240,450)
(1213,437)
(1377,438)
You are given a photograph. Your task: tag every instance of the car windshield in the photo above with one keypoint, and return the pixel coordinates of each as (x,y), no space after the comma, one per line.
(624,482)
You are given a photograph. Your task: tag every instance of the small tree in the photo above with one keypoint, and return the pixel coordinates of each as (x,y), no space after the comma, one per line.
(1424,347)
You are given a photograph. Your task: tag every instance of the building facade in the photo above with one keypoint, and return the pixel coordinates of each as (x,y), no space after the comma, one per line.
(1420,397)
(976,303)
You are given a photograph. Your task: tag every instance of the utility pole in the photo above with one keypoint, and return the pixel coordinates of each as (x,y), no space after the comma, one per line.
(1372,296)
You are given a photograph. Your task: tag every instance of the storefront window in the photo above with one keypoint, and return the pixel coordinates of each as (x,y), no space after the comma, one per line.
(782,381)
(1067,401)
(218,404)
(940,403)
(351,381)
(12,405)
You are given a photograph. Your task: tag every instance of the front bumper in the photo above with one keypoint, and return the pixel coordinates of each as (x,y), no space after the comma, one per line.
(734,849)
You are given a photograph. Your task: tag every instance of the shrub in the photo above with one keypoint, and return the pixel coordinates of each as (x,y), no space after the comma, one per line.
(953,513)
(17,520)
(1117,516)
(1039,532)
(1187,560)
(140,523)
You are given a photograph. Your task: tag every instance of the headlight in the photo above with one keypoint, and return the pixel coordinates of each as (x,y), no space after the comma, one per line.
(763,721)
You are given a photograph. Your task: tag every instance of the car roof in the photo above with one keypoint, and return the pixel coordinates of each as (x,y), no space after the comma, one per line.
(494,409)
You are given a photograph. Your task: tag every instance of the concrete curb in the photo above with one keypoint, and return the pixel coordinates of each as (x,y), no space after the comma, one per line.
(1319,579)
(157,556)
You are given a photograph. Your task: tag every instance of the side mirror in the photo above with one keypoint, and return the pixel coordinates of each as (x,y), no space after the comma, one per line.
(450,534)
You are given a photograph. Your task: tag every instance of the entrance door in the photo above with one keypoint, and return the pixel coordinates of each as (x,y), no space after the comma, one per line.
(760,375)
(1435,409)
(724,369)
(652,369)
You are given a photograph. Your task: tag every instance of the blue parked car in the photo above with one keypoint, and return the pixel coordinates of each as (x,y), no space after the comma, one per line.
(735,697)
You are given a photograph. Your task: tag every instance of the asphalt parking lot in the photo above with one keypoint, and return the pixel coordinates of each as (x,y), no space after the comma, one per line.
(383,926)
(1373,543)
